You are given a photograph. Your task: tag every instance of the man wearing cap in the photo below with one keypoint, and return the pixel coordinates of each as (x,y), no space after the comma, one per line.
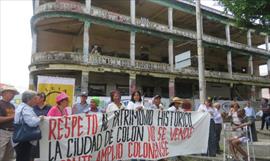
(7,112)
(156,103)
(81,107)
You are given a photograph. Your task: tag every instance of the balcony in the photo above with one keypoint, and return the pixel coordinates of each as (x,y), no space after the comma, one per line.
(103,16)
(56,57)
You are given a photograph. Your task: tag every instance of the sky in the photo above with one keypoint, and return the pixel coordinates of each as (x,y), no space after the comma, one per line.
(16,41)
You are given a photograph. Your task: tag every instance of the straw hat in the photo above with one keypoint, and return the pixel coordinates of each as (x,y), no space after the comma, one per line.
(176,100)
(8,88)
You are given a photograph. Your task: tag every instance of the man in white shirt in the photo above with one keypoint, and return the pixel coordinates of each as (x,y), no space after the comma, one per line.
(218,125)
(251,115)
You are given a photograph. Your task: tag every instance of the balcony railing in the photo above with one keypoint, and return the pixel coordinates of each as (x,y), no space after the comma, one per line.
(57,57)
(125,63)
(53,57)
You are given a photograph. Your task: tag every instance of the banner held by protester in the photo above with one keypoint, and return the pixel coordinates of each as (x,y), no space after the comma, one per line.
(124,134)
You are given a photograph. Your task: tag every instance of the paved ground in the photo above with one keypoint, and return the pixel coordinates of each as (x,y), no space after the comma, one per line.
(261,148)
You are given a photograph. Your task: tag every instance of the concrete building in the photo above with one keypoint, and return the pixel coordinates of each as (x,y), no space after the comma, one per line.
(128,44)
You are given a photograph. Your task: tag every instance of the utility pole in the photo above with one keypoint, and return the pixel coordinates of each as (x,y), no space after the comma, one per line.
(202,88)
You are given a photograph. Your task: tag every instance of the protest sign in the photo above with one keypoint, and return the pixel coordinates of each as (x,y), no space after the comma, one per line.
(52,86)
(124,134)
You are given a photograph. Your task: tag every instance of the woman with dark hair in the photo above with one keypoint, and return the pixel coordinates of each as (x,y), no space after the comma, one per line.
(116,103)
(135,102)
(41,109)
(60,109)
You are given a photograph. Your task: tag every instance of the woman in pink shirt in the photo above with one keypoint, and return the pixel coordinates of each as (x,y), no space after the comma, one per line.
(61,108)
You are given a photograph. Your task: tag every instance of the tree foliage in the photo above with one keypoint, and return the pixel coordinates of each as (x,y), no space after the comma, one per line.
(249,12)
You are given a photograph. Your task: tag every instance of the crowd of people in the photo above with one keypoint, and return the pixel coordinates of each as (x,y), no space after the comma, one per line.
(33,109)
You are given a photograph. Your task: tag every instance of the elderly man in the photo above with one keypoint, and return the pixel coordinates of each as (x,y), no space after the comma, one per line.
(7,111)
(81,107)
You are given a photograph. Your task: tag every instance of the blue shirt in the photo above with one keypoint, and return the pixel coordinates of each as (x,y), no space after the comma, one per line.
(27,113)
(80,108)
(250,112)
(44,111)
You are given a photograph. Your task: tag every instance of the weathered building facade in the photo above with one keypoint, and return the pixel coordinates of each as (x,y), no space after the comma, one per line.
(128,44)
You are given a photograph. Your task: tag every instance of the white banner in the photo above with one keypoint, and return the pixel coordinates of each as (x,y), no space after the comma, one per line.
(124,134)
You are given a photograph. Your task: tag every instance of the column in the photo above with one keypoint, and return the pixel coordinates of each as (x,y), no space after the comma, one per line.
(84,81)
(253,93)
(34,41)
(132,48)
(31,82)
(86,41)
(132,33)
(132,83)
(249,43)
(228,35)
(36,6)
(170,51)
(229,53)
(268,66)
(200,51)
(88,5)
(171,87)
(229,62)
(250,65)
(170,43)
(170,18)
(267,43)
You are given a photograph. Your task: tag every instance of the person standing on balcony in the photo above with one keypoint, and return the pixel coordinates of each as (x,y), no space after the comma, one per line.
(7,112)
(135,102)
(116,103)
(81,107)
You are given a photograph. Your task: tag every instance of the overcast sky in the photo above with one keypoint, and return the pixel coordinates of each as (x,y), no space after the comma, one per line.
(16,42)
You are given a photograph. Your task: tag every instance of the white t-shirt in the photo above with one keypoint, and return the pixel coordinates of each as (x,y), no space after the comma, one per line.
(133,106)
(203,108)
(217,117)
(113,107)
(173,108)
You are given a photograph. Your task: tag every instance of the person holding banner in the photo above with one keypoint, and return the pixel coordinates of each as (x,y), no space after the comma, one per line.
(94,105)
(25,111)
(156,103)
(135,102)
(218,125)
(41,109)
(207,107)
(81,107)
(115,102)
(61,109)
(175,105)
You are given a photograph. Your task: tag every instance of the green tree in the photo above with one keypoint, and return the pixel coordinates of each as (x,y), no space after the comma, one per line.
(249,12)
